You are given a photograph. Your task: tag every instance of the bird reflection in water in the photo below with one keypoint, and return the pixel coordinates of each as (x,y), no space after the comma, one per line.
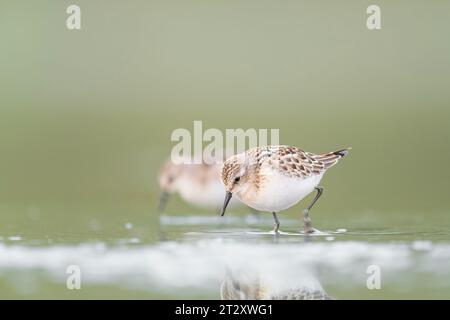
(246,285)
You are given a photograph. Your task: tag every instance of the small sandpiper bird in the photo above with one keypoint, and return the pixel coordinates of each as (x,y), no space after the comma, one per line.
(198,184)
(274,178)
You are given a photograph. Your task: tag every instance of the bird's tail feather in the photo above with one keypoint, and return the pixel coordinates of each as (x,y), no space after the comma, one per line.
(331,158)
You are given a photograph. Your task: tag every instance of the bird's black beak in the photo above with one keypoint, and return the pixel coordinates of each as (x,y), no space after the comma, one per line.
(228,196)
(163,198)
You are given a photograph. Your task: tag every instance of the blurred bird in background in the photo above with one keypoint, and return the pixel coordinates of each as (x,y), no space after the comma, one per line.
(199,185)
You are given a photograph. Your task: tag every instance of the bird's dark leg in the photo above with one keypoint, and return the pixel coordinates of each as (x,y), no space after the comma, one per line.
(306,219)
(276,224)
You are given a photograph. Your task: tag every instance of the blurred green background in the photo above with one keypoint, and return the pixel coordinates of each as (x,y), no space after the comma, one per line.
(86,116)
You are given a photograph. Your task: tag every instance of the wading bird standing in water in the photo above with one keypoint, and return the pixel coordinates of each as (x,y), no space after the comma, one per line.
(274,178)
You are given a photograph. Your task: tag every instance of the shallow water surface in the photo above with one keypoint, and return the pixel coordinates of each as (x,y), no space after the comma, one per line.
(237,257)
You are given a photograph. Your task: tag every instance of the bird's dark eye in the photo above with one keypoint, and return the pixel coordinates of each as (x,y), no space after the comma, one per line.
(237,179)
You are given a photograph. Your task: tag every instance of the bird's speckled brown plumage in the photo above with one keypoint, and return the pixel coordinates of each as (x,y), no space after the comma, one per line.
(288,160)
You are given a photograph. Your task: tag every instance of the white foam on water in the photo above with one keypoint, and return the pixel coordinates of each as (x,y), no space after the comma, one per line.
(422,245)
(128,226)
(15,238)
(203,263)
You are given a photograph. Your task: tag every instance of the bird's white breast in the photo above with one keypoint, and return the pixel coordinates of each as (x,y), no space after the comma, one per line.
(279,191)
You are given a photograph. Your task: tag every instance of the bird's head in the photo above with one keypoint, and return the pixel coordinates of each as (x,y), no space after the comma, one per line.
(236,175)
